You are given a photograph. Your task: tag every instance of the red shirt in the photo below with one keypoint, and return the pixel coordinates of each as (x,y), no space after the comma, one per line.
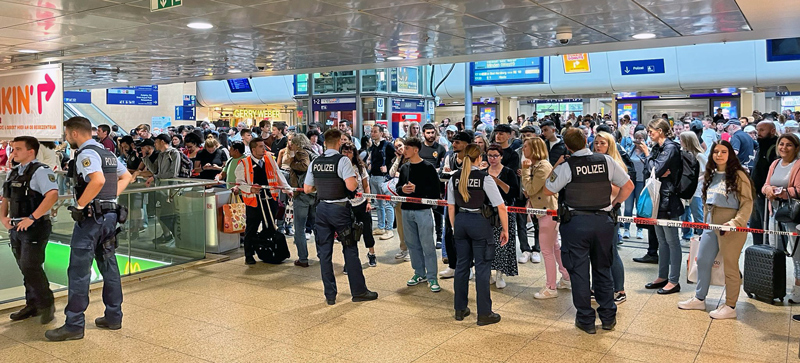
(109,144)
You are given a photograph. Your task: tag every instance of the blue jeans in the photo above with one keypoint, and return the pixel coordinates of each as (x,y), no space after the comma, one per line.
(384,208)
(695,211)
(303,210)
(670,255)
(617,269)
(418,231)
(630,203)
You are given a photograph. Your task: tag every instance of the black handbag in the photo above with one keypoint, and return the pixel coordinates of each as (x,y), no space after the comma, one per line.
(789,211)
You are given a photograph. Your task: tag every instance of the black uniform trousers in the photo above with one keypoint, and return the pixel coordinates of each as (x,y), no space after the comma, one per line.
(254,219)
(757,218)
(590,239)
(449,243)
(28,248)
(473,236)
(332,218)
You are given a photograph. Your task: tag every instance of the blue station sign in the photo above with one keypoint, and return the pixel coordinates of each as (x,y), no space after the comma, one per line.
(646,66)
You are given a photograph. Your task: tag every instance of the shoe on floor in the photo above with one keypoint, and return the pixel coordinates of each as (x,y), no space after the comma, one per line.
(564,284)
(619,298)
(367,296)
(460,314)
(723,312)
(545,294)
(407,258)
(434,285)
(377,232)
(591,296)
(589,329)
(102,323)
(685,242)
(656,285)
(609,325)
(387,235)
(626,234)
(447,273)
(471,274)
(344,270)
(298,263)
(674,289)
(61,334)
(488,319)
(439,245)
(492,279)
(529,226)
(289,232)
(26,312)
(47,314)
(401,255)
(536,257)
(795,298)
(308,236)
(524,257)
(249,260)
(373,260)
(692,304)
(416,280)
(500,283)
(445,260)
(646,259)
(639,234)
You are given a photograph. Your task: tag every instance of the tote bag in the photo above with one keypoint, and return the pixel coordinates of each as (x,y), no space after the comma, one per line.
(233,215)
(717,270)
(647,202)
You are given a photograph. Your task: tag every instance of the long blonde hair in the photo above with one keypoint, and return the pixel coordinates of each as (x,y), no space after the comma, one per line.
(471,154)
(537,148)
(612,148)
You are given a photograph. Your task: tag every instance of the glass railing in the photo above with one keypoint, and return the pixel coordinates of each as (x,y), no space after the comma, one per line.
(177,209)
(91,112)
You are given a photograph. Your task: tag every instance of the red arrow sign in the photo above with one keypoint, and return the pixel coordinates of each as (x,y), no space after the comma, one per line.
(48,88)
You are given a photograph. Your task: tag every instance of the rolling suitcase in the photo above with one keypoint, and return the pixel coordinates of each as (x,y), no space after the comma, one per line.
(271,247)
(765,272)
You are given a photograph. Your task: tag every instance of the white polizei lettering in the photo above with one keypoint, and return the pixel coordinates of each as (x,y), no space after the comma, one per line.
(110,160)
(323,167)
(474,183)
(591,169)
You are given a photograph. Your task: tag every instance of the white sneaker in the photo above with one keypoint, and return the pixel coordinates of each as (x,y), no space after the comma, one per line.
(500,282)
(564,284)
(525,257)
(447,273)
(493,279)
(407,258)
(308,236)
(795,298)
(387,235)
(377,232)
(536,257)
(724,312)
(546,294)
(692,304)
(401,255)
(529,226)
(471,274)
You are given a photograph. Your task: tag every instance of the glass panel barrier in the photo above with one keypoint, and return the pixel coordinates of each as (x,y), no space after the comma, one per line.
(166,226)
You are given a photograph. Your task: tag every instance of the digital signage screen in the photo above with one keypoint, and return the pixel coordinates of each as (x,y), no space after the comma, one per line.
(630,109)
(507,71)
(729,108)
(407,80)
(136,96)
(239,85)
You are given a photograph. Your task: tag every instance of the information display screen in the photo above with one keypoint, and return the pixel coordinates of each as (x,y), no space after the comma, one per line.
(136,96)
(407,80)
(488,114)
(729,108)
(630,109)
(239,85)
(507,71)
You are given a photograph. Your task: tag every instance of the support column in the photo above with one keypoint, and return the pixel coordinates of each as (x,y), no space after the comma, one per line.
(747,104)
(760,103)
(467,99)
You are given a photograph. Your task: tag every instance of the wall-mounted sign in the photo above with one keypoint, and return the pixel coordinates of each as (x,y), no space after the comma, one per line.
(301,84)
(431,107)
(190,100)
(32,102)
(334,104)
(646,66)
(560,100)
(186,113)
(729,108)
(506,71)
(257,114)
(407,80)
(160,124)
(239,85)
(380,104)
(156,5)
(408,105)
(79,96)
(576,63)
(136,96)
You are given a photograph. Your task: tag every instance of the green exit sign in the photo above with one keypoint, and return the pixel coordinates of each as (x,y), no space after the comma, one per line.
(156,5)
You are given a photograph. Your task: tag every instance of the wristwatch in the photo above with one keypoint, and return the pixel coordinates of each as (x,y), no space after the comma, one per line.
(32,217)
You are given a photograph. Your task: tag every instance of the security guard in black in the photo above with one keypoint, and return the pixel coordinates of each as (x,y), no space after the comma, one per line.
(587,227)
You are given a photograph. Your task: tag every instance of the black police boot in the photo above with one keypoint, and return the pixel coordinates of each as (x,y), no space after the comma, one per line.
(610,325)
(367,296)
(101,322)
(646,259)
(589,329)
(488,319)
(61,334)
(48,314)
(460,314)
(26,312)
(249,260)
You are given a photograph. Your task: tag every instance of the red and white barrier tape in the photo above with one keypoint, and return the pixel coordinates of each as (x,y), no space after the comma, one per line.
(548,212)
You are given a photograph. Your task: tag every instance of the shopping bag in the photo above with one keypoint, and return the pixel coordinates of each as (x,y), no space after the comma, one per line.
(233,215)
(647,202)
(717,270)
(389,187)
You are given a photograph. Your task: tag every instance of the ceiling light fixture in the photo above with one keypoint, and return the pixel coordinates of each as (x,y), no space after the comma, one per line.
(122,81)
(200,25)
(742,88)
(28,51)
(395,58)
(641,36)
(234,71)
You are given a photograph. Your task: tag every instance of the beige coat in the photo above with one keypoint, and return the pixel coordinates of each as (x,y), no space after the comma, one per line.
(533,180)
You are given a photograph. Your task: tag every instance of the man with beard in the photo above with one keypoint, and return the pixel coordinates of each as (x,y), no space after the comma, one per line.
(767,153)
(433,153)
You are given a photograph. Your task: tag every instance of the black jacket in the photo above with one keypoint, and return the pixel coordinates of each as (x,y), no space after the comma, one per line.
(626,159)
(559,149)
(767,153)
(665,158)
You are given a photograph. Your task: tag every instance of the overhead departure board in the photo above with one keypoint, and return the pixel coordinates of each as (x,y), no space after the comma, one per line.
(507,71)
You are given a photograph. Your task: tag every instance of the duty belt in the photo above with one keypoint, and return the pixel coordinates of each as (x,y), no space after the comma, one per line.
(104,207)
(590,213)
(15,222)
(469,210)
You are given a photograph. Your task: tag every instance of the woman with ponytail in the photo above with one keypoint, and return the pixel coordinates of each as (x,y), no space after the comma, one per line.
(470,193)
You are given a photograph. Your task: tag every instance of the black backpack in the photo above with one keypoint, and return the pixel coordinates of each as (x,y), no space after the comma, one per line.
(689,177)
(185,170)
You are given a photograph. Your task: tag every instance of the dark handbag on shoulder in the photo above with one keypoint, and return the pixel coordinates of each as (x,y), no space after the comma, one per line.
(789,211)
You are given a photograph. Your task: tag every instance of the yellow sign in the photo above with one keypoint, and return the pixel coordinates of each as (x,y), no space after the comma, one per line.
(576,63)
(725,105)
(257,114)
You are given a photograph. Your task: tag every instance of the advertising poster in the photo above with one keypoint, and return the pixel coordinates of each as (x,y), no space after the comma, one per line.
(32,102)
(160,124)
(488,115)
(407,80)
(729,108)
(576,63)
(630,109)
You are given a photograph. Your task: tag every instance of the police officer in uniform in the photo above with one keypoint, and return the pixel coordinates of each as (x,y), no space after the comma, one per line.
(467,195)
(98,180)
(333,178)
(30,191)
(588,217)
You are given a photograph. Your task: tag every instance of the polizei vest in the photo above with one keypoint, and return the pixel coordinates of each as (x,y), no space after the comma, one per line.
(109,167)
(590,188)
(22,200)
(326,178)
(477,196)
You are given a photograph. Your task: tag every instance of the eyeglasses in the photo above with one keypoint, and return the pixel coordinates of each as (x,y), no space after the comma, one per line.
(493,156)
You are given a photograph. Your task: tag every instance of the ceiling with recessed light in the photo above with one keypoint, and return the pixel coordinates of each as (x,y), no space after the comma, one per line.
(102,41)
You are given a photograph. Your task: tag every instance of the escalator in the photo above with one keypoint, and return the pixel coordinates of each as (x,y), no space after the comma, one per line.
(91,112)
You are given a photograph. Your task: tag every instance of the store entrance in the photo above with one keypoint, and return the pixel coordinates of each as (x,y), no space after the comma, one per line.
(675,109)
(329,119)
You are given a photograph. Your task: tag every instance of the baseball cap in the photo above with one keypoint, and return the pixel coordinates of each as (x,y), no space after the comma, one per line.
(791,123)
(147,142)
(503,128)
(696,125)
(452,128)
(733,122)
(463,136)
(749,128)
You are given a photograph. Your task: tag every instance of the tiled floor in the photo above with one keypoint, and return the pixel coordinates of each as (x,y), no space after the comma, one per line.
(229,312)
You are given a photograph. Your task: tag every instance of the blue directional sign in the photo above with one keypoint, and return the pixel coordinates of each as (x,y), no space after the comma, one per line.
(334,104)
(80,96)
(186,113)
(645,66)
(137,96)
